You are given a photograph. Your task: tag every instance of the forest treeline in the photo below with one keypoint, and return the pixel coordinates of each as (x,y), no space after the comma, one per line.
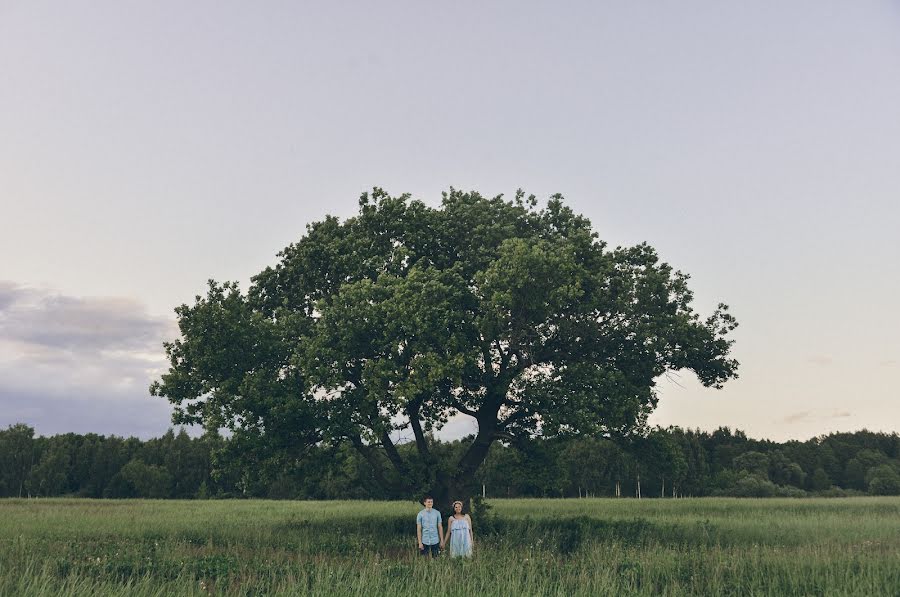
(671,462)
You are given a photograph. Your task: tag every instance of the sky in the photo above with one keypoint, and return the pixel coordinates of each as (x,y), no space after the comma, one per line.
(147,147)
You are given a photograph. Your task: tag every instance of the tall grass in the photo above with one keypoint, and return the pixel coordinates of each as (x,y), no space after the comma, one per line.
(528,547)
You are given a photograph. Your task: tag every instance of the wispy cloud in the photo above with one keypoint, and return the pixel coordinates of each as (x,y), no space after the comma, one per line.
(796,417)
(58,322)
(808,415)
(80,363)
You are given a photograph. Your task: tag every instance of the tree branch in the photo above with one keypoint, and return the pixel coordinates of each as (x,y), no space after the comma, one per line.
(476,453)
(368,453)
(488,360)
(504,357)
(395,457)
(461,408)
(487,433)
(516,416)
(412,410)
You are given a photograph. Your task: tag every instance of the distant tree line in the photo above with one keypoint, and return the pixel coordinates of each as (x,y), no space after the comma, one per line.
(668,463)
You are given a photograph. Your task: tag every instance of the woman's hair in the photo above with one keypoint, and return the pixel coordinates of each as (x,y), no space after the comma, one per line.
(462,506)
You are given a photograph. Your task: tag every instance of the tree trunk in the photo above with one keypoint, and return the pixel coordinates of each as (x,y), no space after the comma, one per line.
(662,492)
(447,490)
(638,486)
(478,450)
(461,485)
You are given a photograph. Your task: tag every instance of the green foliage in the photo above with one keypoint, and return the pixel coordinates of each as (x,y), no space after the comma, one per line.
(140,479)
(785,472)
(50,476)
(752,485)
(589,464)
(483,516)
(884,480)
(406,315)
(819,480)
(752,462)
(858,467)
(17,456)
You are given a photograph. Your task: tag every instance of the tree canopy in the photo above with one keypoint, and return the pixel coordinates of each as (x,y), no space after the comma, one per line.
(397,319)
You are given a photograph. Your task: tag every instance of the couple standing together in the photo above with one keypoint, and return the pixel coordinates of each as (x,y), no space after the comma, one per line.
(430,532)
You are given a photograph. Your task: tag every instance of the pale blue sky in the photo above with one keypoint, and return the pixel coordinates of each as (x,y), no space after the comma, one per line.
(147,147)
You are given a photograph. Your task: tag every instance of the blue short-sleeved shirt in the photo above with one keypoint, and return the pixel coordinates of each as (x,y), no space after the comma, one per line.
(430,522)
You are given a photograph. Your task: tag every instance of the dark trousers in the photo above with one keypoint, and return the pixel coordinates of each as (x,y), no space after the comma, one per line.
(432,550)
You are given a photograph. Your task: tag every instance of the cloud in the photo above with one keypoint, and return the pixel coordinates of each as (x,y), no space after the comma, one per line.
(80,364)
(808,415)
(797,417)
(9,293)
(54,321)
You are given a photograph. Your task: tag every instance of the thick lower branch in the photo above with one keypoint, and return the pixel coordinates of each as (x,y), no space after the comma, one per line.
(463,409)
(371,457)
(487,434)
(421,440)
(475,455)
(478,450)
(394,456)
(515,417)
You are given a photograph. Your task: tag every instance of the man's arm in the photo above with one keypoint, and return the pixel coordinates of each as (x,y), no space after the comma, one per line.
(441,530)
(419,534)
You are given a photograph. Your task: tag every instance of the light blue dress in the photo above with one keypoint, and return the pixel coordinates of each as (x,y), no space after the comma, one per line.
(460,542)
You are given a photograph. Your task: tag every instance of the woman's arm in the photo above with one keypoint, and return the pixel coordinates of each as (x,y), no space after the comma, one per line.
(471,531)
(446,537)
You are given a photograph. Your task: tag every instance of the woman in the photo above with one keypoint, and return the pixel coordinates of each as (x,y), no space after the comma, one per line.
(459,532)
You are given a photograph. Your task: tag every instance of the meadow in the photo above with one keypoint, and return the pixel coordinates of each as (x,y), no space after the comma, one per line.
(704,546)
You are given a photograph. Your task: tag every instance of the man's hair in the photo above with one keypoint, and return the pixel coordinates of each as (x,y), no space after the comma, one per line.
(426,498)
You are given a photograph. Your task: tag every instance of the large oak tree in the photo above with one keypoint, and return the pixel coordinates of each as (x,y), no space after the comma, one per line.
(406,315)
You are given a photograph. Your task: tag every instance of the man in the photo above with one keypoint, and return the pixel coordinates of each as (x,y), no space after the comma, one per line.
(428,529)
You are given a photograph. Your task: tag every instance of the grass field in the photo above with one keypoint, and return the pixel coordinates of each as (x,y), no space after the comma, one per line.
(529,547)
